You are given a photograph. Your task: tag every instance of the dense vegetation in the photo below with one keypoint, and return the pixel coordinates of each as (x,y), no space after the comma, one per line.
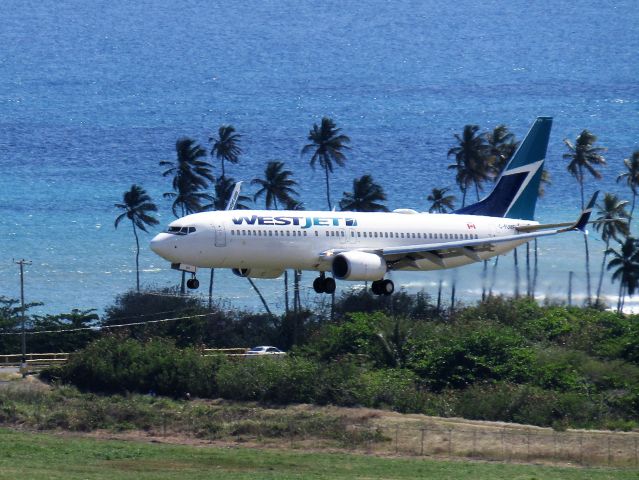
(502,359)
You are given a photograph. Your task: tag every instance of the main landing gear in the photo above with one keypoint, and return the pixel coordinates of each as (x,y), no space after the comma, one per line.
(383,287)
(193,283)
(324,284)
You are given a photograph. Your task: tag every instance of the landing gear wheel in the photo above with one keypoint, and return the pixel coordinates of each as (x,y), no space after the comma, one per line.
(387,287)
(318,285)
(193,283)
(329,285)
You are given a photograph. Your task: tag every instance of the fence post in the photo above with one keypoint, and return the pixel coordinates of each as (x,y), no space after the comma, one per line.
(396,439)
(474,442)
(528,445)
(421,452)
(503,444)
(609,453)
(450,442)
(581,449)
(636,456)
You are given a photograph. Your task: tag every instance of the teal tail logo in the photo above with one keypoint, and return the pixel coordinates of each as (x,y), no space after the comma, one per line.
(516,191)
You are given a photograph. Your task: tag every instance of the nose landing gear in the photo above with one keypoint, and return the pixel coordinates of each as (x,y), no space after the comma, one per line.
(324,284)
(383,287)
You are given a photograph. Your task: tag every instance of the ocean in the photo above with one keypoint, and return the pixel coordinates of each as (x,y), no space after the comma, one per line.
(94,94)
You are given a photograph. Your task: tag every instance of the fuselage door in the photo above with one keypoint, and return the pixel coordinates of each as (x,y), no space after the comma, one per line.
(220,235)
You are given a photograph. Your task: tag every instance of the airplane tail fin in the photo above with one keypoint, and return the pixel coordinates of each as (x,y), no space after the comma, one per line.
(516,191)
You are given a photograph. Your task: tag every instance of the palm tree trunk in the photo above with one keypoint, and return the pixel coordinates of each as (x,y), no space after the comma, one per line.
(528,282)
(298,297)
(222,167)
(535,269)
(477,191)
(463,197)
(632,209)
(620,296)
(137,257)
(286,291)
(328,191)
(452,296)
(268,310)
(484,277)
(211,288)
(439,296)
(601,274)
(493,279)
(516,274)
(588,289)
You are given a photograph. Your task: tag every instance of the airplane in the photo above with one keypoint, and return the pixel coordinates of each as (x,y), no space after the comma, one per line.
(366,246)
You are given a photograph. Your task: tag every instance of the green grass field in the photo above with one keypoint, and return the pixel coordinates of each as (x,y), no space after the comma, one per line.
(40,456)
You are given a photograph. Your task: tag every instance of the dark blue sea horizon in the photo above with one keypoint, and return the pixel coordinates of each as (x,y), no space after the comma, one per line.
(94,94)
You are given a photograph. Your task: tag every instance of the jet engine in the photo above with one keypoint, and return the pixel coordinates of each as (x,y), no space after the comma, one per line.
(356,265)
(257,272)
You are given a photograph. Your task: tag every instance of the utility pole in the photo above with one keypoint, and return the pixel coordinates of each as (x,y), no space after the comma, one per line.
(23,365)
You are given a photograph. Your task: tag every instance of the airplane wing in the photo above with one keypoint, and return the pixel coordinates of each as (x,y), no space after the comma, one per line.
(406,255)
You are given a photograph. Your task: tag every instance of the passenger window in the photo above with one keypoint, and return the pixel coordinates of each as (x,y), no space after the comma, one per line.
(316,233)
(341,233)
(327,233)
(359,234)
(270,233)
(402,234)
(304,233)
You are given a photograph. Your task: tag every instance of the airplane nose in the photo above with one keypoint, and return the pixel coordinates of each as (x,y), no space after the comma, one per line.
(161,245)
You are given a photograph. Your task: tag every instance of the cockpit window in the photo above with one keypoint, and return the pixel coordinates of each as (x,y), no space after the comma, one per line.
(181,230)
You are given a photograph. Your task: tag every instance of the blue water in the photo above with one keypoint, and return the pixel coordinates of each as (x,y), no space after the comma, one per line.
(94,94)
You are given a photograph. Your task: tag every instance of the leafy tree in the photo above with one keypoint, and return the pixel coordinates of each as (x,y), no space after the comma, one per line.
(277,184)
(226,146)
(365,196)
(612,222)
(441,202)
(631,177)
(70,341)
(471,160)
(583,157)
(625,266)
(327,147)
(138,208)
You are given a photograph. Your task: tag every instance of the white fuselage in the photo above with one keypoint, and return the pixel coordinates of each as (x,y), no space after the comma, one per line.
(273,241)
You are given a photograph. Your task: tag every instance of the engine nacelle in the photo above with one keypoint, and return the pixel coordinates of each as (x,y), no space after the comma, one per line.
(257,272)
(356,265)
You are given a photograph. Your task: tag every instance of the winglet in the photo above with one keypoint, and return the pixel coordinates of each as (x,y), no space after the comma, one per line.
(585,215)
(234,196)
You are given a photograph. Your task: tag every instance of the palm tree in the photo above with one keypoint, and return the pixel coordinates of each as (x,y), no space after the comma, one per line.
(584,156)
(191,177)
(277,184)
(441,202)
(365,196)
(502,146)
(631,176)
(223,190)
(327,145)
(138,208)
(625,263)
(227,145)
(471,161)
(189,171)
(612,222)
(293,204)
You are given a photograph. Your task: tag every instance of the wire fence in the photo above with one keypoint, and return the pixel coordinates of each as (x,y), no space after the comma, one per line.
(507,444)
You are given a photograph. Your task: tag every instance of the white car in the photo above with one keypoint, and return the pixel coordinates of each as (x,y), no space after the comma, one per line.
(265,350)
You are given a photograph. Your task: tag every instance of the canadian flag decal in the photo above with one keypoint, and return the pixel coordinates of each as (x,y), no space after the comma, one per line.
(471,226)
